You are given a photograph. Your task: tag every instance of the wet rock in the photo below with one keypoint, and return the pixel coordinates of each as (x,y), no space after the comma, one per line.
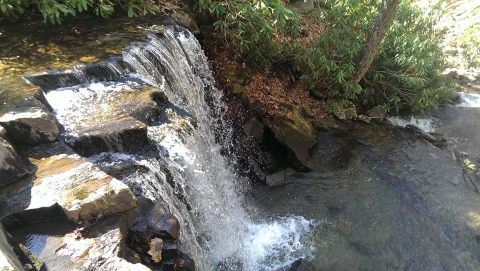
(126,134)
(12,167)
(302,265)
(297,134)
(165,226)
(184,263)
(30,122)
(254,129)
(332,152)
(329,122)
(378,112)
(82,190)
(281,177)
(185,20)
(8,259)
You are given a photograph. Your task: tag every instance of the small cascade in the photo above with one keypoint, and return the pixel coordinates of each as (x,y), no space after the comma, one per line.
(189,171)
(469,99)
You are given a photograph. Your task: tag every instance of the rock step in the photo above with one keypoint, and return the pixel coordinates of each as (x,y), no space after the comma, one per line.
(80,188)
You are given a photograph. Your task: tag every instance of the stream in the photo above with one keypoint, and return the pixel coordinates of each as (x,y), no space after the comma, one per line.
(398,203)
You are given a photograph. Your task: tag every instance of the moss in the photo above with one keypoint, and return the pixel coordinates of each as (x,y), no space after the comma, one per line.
(81,194)
(34,260)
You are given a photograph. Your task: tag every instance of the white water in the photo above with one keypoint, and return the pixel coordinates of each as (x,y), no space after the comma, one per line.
(469,99)
(426,124)
(218,227)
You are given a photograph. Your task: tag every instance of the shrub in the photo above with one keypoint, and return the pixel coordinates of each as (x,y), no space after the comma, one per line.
(252,25)
(54,10)
(406,74)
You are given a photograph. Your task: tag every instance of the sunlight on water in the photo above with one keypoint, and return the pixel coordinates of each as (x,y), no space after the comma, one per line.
(427,124)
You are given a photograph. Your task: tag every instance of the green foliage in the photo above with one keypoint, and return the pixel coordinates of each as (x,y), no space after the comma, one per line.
(404,76)
(470,43)
(54,10)
(252,24)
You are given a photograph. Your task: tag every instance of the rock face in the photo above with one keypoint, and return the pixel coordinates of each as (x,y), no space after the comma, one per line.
(8,259)
(296,133)
(30,122)
(154,237)
(12,166)
(304,6)
(79,187)
(120,135)
(282,177)
(302,265)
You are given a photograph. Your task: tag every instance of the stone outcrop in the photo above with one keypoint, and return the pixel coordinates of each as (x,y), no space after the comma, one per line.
(30,122)
(281,177)
(8,259)
(296,133)
(154,237)
(79,187)
(124,134)
(12,166)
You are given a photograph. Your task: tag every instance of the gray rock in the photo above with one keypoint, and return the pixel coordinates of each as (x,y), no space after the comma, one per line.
(165,226)
(12,167)
(8,259)
(346,114)
(378,112)
(302,265)
(304,6)
(30,123)
(297,134)
(3,132)
(281,177)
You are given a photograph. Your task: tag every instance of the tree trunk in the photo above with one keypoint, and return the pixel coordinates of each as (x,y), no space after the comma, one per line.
(382,24)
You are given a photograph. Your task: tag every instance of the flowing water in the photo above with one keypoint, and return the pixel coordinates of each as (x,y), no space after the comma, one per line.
(218,226)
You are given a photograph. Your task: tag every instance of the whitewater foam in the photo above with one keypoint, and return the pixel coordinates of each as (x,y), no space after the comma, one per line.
(426,124)
(469,99)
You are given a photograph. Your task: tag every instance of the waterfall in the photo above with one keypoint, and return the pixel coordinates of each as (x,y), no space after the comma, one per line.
(218,227)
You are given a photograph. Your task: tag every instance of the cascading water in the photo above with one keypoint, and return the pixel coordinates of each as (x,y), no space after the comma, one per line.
(218,228)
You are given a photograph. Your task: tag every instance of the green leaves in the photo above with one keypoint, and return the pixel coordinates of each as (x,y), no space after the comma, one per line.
(53,11)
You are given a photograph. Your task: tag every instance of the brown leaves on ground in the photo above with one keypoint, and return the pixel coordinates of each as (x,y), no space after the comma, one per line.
(279,97)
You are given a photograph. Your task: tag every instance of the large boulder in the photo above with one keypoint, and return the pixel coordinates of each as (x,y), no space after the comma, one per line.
(79,187)
(296,133)
(30,122)
(12,166)
(8,259)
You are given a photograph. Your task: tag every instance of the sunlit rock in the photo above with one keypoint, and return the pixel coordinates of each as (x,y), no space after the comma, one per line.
(155,251)
(78,186)
(30,122)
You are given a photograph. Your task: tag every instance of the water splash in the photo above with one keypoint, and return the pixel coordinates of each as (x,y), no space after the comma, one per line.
(426,124)
(216,226)
(469,99)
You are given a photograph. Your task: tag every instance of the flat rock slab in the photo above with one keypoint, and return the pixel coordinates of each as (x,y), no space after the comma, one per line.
(30,122)
(79,187)
(106,116)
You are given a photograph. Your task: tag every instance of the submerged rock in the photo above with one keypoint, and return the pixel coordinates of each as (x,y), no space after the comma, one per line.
(8,259)
(302,265)
(297,134)
(30,122)
(82,190)
(281,177)
(12,166)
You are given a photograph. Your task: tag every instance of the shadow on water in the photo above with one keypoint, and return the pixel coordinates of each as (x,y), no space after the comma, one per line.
(400,204)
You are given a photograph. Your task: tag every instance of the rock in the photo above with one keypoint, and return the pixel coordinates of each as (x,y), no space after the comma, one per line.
(12,167)
(281,177)
(378,112)
(81,189)
(30,122)
(332,152)
(165,226)
(304,6)
(185,20)
(302,265)
(329,122)
(254,129)
(346,114)
(3,132)
(125,134)
(8,259)
(184,263)
(297,134)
